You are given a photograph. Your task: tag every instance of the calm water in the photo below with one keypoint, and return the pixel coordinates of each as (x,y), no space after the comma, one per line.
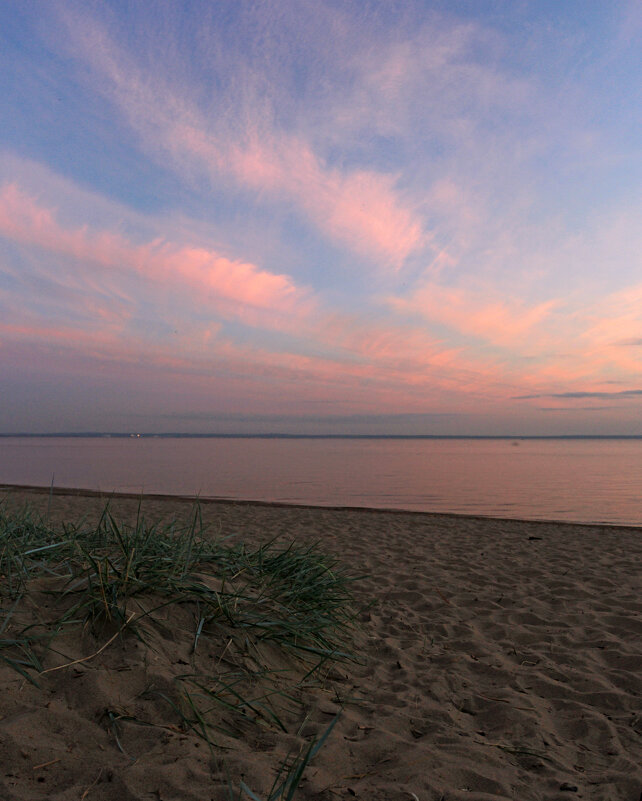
(581,480)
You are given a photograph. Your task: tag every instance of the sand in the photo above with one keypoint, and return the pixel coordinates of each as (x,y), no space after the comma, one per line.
(498,660)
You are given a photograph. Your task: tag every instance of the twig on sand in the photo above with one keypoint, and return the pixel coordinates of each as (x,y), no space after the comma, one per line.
(442,596)
(515,751)
(46,764)
(504,701)
(91,656)
(93,784)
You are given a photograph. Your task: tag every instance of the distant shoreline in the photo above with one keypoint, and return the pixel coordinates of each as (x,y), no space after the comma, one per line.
(152,435)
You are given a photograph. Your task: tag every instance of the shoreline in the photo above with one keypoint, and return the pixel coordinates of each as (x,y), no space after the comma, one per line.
(208,500)
(148,435)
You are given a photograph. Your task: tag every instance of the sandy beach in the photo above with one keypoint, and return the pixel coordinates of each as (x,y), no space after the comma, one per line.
(495,659)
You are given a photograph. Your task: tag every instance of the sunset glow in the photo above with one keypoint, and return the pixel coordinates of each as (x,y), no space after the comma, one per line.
(321,217)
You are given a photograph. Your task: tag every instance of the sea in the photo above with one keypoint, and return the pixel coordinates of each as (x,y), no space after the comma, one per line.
(589,480)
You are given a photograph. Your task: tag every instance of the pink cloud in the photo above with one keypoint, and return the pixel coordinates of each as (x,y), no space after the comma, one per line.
(504,323)
(235,288)
(394,363)
(381,352)
(99,343)
(377,377)
(617,318)
(361,208)
(411,359)
(610,326)
(368,362)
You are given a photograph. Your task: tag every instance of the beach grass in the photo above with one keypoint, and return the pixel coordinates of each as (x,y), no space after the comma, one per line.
(243,628)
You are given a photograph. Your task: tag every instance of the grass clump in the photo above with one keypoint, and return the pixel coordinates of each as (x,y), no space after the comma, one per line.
(241,628)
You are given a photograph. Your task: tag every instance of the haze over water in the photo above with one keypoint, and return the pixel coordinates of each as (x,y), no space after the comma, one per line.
(583,480)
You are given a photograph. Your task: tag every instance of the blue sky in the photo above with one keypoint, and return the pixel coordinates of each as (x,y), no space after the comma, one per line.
(330,217)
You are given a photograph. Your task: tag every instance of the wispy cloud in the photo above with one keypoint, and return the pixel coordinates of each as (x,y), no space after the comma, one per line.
(233,288)
(328,419)
(93,277)
(575,409)
(623,394)
(361,208)
(100,313)
(505,322)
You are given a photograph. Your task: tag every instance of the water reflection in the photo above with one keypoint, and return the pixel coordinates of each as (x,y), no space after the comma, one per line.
(583,480)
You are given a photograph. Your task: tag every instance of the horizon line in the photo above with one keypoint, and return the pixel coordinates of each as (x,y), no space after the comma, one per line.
(278,435)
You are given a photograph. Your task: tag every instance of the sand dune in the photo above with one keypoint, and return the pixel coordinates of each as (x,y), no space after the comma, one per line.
(497,660)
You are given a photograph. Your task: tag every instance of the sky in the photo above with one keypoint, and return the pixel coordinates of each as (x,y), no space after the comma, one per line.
(321,216)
